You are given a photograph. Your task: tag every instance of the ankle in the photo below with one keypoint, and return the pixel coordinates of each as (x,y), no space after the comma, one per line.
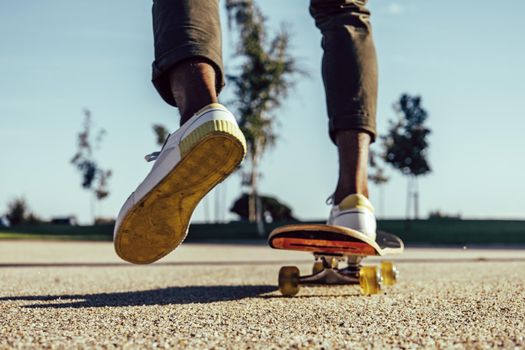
(193,107)
(352,146)
(341,194)
(193,86)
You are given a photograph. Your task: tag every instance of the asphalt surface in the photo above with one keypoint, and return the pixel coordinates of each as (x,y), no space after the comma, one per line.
(79,295)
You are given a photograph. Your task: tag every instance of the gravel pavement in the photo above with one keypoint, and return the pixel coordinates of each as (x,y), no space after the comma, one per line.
(79,295)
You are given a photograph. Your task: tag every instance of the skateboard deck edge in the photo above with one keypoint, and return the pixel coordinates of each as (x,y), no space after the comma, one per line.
(339,230)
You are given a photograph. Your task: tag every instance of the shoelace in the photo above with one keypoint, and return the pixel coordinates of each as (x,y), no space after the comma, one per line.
(154,155)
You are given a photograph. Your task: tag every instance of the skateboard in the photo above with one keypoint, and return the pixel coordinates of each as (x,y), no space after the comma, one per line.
(330,246)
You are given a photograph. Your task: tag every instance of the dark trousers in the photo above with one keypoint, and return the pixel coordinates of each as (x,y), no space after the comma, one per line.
(191,28)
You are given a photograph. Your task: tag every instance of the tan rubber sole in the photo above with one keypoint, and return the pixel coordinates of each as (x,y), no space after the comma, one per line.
(158,223)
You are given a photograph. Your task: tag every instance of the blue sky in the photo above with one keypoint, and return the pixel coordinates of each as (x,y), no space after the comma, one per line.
(466,60)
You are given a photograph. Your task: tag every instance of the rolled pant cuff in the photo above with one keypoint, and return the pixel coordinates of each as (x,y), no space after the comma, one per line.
(360,123)
(162,65)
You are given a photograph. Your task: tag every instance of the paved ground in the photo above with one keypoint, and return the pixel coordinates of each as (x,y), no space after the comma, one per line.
(79,295)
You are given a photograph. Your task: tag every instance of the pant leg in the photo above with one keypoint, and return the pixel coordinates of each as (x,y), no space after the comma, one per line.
(349,66)
(184,29)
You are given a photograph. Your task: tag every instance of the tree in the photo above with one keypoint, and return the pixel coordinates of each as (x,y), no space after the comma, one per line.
(18,212)
(161,133)
(377,176)
(94,178)
(271,207)
(260,83)
(406,144)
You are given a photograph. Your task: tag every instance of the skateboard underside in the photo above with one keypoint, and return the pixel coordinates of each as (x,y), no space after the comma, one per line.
(333,240)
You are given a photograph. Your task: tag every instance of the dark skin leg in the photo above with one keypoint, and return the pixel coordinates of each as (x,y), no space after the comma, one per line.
(193,86)
(352,146)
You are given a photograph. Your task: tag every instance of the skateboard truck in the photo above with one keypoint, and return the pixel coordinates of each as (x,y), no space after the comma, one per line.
(325,271)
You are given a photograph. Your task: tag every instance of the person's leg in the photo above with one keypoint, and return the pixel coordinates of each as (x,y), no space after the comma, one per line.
(206,149)
(187,71)
(349,71)
(352,147)
(192,86)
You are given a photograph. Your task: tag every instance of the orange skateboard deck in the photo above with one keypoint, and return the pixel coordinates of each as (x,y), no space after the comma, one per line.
(318,238)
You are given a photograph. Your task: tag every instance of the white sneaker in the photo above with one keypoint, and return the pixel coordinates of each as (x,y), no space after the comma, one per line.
(354,212)
(203,152)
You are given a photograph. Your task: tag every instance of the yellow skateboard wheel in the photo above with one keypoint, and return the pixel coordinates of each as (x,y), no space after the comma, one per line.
(334,263)
(369,280)
(389,273)
(289,280)
(318,267)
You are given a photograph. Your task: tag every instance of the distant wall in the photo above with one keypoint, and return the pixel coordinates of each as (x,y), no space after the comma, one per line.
(454,231)
(435,231)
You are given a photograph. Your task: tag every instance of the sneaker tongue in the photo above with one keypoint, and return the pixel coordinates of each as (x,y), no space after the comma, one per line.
(354,201)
